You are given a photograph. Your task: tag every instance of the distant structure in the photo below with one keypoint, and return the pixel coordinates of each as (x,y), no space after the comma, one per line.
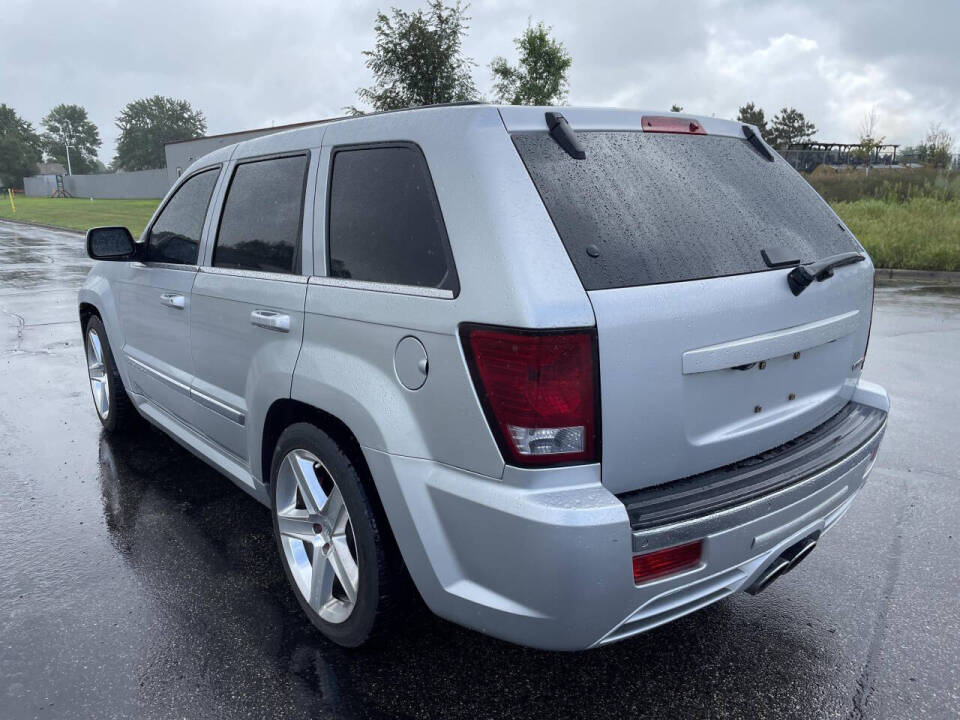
(60,191)
(180,154)
(51,168)
(807,156)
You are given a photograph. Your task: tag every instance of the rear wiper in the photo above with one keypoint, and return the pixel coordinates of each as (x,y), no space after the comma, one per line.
(819,270)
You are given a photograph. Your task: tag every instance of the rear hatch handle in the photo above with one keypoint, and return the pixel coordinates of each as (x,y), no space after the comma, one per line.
(802,275)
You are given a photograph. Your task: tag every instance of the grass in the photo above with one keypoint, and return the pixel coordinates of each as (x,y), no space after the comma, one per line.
(919,234)
(905,218)
(895,186)
(80,213)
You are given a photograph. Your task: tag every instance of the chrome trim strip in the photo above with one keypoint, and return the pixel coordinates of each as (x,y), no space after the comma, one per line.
(255,274)
(677,533)
(438,293)
(228,411)
(162,266)
(162,377)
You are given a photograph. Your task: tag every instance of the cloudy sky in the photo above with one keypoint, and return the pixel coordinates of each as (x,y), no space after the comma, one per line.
(254,64)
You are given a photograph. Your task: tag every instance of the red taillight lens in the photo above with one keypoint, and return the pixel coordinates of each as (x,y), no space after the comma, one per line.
(659,563)
(539,390)
(667,124)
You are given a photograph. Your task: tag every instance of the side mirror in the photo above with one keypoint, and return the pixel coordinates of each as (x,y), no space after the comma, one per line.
(111,243)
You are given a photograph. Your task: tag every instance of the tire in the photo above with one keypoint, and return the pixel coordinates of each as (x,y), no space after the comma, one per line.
(316,544)
(116,411)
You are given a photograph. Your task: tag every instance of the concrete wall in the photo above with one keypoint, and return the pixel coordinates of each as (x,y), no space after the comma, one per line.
(138,184)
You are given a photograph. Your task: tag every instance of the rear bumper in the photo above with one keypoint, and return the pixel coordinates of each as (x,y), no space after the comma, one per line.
(544,557)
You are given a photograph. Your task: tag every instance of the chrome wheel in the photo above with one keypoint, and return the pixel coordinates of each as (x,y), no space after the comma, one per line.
(317,536)
(99,377)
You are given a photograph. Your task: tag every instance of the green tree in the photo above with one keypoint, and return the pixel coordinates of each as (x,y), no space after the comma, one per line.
(676,108)
(939,146)
(789,127)
(19,148)
(870,138)
(418,59)
(540,76)
(146,125)
(752,115)
(69,125)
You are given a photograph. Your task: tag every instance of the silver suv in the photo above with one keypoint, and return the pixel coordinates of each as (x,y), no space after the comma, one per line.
(575,372)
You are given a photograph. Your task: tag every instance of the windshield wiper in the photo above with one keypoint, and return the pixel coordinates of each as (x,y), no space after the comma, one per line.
(819,270)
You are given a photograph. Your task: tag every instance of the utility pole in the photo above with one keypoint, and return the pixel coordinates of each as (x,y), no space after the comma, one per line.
(67,137)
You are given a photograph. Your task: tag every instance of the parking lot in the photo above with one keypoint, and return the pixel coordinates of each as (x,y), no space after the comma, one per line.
(136,581)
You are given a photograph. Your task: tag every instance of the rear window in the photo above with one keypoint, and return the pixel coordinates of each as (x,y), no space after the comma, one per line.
(657,208)
(385,223)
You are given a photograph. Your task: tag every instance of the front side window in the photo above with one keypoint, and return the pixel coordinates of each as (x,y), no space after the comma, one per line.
(384,219)
(175,236)
(262,216)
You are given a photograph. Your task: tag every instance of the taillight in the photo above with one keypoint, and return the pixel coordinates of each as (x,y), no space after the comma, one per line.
(539,391)
(670,124)
(668,561)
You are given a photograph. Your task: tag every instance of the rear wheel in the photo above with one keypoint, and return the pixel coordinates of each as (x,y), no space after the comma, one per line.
(110,400)
(336,552)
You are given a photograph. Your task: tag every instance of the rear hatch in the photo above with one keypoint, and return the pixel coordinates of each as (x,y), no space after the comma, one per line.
(706,356)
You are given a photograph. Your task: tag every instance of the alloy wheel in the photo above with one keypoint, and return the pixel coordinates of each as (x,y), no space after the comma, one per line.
(317,536)
(99,377)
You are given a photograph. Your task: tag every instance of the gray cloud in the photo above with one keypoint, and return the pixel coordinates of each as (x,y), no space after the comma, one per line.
(252,64)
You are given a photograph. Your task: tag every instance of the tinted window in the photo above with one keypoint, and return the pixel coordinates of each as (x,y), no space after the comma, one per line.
(175,236)
(385,223)
(662,208)
(260,225)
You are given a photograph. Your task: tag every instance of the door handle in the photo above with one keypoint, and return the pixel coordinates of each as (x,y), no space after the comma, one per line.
(173,300)
(270,320)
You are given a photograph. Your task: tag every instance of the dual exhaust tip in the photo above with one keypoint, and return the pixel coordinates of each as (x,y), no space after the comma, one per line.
(784,563)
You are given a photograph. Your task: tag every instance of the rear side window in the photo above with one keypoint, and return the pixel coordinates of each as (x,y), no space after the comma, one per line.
(384,219)
(262,216)
(175,235)
(664,208)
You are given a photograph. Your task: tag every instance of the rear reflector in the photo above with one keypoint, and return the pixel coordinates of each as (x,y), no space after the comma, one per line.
(659,563)
(539,391)
(679,125)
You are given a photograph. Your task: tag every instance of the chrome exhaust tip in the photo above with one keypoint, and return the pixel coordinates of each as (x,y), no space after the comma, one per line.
(784,563)
(777,568)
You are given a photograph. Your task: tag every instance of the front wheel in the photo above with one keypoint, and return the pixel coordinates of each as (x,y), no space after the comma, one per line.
(110,399)
(336,552)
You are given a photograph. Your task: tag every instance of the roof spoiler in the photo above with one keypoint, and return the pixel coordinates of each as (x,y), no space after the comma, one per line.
(564,135)
(757,143)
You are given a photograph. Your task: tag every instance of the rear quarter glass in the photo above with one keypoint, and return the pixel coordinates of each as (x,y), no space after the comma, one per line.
(667,208)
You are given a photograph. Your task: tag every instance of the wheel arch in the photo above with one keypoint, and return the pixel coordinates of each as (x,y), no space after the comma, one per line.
(87,311)
(284,412)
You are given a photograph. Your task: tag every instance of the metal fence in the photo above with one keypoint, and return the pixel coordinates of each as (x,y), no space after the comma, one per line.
(138,184)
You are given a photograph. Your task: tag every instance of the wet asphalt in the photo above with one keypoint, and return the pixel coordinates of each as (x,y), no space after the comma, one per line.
(137,582)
